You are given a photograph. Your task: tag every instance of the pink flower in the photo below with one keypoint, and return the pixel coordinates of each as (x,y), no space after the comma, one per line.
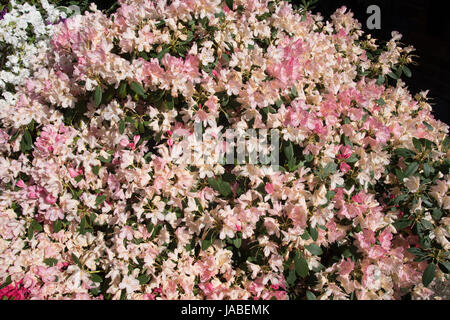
(385,239)
(346,152)
(269,188)
(234,187)
(50,199)
(32,195)
(53,214)
(124,142)
(157,290)
(150,296)
(376,252)
(344,167)
(346,266)
(366,239)
(20,184)
(359,198)
(73,173)
(15,292)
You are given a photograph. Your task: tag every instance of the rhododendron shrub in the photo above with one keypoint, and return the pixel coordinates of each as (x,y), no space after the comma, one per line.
(93,204)
(24,34)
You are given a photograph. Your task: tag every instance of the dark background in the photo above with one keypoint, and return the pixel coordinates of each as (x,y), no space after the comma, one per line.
(423,24)
(426,26)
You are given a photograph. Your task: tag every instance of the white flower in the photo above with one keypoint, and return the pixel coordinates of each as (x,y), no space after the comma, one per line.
(412,183)
(130,284)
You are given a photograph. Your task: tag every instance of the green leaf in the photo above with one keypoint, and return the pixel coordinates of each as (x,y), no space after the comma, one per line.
(237,242)
(406,153)
(294,92)
(95,169)
(411,169)
(26,142)
(27,137)
(206,243)
(292,164)
(437,214)
(381,79)
(219,185)
(329,169)
(417,252)
(380,101)
(226,57)
(305,235)
(123,90)
(76,260)
(150,227)
(428,126)
(401,224)
(169,103)
(417,144)
(50,262)
(401,198)
(34,226)
(314,249)
(310,295)
(137,87)
(393,76)
(289,151)
(428,274)
(104,160)
(427,169)
(121,126)
(279,103)
(426,224)
(160,23)
(141,127)
(407,71)
(23,146)
(301,266)
(291,278)
(353,158)
(225,188)
(444,266)
(6,283)
(314,233)
(57,226)
(96,278)
(100,199)
(165,49)
(229,4)
(348,142)
(98,96)
(143,279)
(83,225)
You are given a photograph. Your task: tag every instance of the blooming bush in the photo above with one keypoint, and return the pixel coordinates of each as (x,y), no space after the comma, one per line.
(24,37)
(94,205)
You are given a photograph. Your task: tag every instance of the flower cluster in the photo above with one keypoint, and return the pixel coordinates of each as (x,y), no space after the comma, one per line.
(15,292)
(94,206)
(24,36)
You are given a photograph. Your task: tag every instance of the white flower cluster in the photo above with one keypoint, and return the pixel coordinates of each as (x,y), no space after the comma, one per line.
(27,34)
